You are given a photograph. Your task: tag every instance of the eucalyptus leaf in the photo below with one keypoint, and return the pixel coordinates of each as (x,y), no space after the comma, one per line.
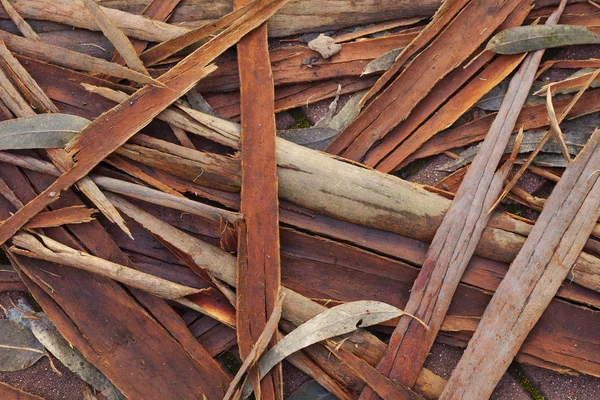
(575,141)
(43,131)
(319,136)
(19,349)
(382,63)
(523,39)
(311,390)
(336,321)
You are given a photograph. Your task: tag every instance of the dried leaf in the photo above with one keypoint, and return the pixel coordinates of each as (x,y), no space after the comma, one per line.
(19,349)
(43,131)
(311,390)
(336,321)
(325,46)
(382,63)
(524,39)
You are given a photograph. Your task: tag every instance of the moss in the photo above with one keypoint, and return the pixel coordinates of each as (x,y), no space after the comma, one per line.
(301,119)
(514,209)
(517,372)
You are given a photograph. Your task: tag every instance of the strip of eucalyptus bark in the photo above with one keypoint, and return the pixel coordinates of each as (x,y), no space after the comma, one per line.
(296,308)
(48,249)
(533,278)
(70,59)
(58,156)
(21,24)
(457,237)
(297,17)
(92,145)
(258,262)
(338,189)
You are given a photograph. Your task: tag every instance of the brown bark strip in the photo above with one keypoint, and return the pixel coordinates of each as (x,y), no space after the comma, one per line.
(299,64)
(107,301)
(533,278)
(441,18)
(126,119)
(417,215)
(68,58)
(62,216)
(384,387)
(258,269)
(397,100)
(116,37)
(457,237)
(57,156)
(157,10)
(296,308)
(452,110)
(74,13)
(21,24)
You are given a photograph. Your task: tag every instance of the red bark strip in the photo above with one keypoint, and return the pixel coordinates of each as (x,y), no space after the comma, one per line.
(457,42)
(457,237)
(533,278)
(92,145)
(258,270)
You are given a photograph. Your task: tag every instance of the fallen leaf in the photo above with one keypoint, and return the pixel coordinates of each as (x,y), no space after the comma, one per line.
(524,39)
(382,63)
(43,131)
(325,46)
(336,321)
(311,390)
(19,349)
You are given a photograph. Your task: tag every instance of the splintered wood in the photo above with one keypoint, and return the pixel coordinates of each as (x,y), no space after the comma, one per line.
(186,242)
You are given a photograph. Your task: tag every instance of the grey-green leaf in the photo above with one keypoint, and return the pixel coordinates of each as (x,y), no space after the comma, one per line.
(19,349)
(382,63)
(311,390)
(43,131)
(523,39)
(336,321)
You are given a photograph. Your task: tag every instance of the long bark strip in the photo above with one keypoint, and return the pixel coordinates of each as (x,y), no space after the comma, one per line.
(92,145)
(397,100)
(37,96)
(493,74)
(457,237)
(258,268)
(533,278)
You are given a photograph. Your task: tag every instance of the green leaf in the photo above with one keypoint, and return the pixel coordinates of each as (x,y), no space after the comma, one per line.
(19,349)
(523,39)
(43,131)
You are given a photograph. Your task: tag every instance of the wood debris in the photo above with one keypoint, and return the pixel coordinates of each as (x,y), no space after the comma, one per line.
(165,215)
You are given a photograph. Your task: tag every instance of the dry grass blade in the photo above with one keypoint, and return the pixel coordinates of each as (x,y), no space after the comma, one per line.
(70,59)
(257,350)
(50,250)
(542,142)
(116,37)
(555,127)
(21,24)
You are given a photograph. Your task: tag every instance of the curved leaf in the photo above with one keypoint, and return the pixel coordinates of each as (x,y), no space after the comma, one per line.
(19,349)
(523,39)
